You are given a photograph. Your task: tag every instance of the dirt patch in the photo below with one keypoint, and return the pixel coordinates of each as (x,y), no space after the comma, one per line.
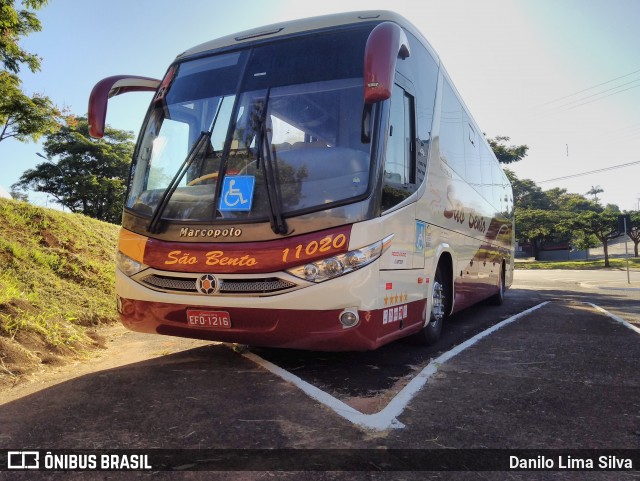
(113,346)
(49,239)
(15,307)
(15,361)
(26,356)
(99,339)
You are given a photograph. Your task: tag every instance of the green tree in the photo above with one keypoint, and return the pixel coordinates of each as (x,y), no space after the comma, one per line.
(602,225)
(507,154)
(584,242)
(16,195)
(560,199)
(526,194)
(539,226)
(613,208)
(594,191)
(634,234)
(15,24)
(90,174)
(22,117)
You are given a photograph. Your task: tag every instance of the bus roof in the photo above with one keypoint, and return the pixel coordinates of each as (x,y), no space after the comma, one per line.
(307,24)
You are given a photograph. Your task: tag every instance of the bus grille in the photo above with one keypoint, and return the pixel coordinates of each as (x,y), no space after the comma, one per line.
(187,285)
(170,283)
(251,286)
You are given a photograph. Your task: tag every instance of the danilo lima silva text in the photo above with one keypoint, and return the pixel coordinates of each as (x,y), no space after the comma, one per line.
(569,462)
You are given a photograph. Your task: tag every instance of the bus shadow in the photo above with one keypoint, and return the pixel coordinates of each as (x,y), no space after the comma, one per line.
(346,375)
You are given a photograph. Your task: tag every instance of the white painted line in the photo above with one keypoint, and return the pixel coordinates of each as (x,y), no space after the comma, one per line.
(387,418)
(310,390)
(615,318)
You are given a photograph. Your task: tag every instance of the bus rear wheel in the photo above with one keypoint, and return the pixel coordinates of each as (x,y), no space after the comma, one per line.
(440,302)
(498,298)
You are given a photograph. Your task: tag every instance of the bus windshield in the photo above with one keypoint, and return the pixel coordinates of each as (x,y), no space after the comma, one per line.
(252,134)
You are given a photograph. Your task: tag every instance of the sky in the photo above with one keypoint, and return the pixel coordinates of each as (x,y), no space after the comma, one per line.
(561,76)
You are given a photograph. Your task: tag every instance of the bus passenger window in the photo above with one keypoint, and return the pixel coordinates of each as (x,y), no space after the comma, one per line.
(399,168)
(451,131)
(486,170)
(472,171)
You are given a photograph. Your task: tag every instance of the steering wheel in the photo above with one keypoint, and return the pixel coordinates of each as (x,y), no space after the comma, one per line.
(197,180)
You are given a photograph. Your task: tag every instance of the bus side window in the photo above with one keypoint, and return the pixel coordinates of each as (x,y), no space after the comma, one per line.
(472,172)
(400,166)
(452,145)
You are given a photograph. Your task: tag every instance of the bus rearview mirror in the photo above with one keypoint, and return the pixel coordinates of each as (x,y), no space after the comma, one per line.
(110,87)
(386,43)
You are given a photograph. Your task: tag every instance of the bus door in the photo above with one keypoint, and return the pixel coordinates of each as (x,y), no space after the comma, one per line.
(399,182)
(399,287)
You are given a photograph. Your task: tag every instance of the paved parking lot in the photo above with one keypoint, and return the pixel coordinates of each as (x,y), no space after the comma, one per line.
(563,376)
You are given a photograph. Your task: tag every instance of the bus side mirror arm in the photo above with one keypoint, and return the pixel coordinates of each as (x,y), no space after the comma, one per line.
(386,43)
(109,87)
(366,124)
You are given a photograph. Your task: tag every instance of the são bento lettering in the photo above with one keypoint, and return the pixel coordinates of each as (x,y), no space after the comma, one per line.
(211,258)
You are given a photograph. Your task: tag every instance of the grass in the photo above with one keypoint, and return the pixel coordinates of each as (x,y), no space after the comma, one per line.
(56,285)
(614,263)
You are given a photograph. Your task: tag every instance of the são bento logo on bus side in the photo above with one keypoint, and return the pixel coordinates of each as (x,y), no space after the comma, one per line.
(206,284)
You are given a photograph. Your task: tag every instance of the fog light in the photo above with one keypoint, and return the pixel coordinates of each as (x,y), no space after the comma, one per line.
(119,304)
(349,318)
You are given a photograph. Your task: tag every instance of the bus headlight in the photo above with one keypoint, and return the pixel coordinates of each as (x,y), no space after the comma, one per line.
(127,265)
(335,266)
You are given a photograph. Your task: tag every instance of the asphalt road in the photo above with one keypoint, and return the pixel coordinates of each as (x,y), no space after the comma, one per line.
(563,376)
(610,289)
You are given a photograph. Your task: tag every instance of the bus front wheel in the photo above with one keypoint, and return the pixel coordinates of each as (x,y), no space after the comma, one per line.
(440,302)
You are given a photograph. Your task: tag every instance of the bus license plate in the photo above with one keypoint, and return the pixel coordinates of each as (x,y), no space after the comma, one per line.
(209,319)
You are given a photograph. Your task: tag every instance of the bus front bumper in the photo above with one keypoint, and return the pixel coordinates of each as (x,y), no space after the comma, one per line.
(307,318)
(282,328)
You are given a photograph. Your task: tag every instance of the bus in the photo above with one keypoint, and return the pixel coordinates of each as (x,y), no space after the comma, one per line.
(317,184)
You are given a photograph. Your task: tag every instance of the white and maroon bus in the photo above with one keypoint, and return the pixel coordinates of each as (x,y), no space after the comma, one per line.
(317,184)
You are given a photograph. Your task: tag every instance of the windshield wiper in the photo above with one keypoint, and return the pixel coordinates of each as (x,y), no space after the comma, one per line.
(269,170)
(199,145)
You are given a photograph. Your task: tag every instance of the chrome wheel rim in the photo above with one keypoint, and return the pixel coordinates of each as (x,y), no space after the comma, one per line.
(437,303)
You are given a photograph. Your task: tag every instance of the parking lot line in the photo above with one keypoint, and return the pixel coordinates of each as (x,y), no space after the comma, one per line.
(615,318)
(387,417)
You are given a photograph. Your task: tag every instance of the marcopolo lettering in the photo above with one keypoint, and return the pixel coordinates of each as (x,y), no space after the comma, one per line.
(213,233)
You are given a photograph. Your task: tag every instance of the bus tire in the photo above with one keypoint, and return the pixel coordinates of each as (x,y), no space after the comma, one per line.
(440,308)
(498,298)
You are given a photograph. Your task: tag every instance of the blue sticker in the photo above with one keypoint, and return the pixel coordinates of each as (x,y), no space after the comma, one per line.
(237,193)
(420,240)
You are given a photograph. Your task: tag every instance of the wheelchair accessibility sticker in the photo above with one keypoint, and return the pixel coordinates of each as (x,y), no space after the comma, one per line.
(237,193)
